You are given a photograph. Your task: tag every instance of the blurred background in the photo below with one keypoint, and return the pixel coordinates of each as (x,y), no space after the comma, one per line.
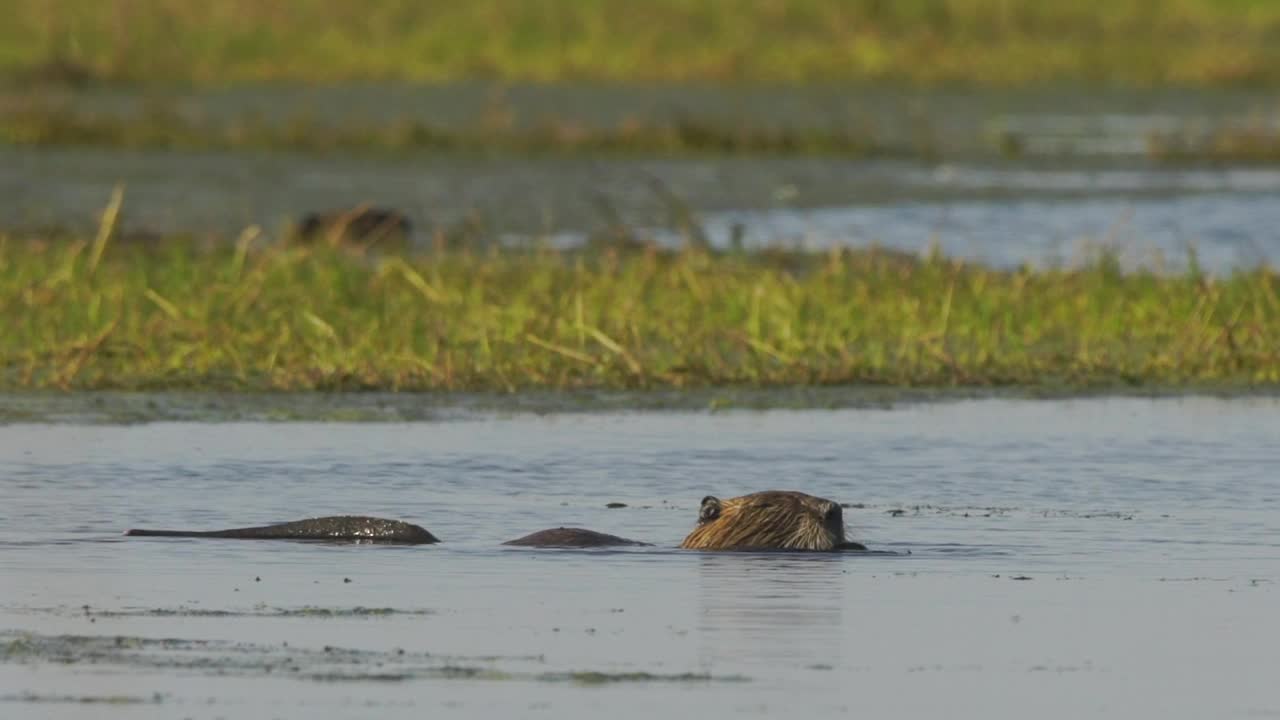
(1005,131)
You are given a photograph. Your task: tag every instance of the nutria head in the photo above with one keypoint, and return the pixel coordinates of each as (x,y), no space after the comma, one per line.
(773,520)
(362,223)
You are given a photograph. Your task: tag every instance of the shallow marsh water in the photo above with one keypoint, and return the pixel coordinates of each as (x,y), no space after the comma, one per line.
(1083,180)
(1004,214)
(1113,557)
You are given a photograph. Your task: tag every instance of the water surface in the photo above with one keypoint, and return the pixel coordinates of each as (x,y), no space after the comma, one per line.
(941,176)
(1103,557)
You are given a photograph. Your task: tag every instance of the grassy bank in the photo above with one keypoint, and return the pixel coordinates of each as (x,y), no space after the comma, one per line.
(978,42)
(52,125)
(96,314)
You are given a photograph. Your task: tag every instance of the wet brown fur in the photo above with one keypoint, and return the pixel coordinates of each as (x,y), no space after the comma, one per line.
(772,520)
(361,224)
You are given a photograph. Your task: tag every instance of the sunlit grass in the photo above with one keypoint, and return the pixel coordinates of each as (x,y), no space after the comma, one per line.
(983,42)
(91,313)
(51,125)
(40,123)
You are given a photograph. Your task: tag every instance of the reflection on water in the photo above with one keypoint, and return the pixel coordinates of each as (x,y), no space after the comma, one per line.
(1224,231)
(791,604)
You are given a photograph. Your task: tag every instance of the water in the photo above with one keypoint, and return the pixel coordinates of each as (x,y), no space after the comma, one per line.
(1002,215)
(1084,180)
(1103,557)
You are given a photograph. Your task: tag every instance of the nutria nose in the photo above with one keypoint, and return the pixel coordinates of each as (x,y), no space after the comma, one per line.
(832,512)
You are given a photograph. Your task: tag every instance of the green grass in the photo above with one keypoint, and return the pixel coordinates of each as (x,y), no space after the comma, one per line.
(977,42)
(96,314)
(45,124)
(41,125)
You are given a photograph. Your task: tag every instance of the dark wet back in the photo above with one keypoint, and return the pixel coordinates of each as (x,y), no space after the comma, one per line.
(571,537)
(344,528)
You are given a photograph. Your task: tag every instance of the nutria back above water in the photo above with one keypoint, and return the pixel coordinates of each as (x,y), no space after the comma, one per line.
(359,528)
(571,538)
(772,520)
(338,528)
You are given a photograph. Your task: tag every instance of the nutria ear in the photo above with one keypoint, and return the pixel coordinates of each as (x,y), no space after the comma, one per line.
(710,509)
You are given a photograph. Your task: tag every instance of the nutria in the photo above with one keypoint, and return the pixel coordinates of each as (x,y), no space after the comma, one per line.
(362,223)
(340,528)
(773,520)
(355,528)
(571,537)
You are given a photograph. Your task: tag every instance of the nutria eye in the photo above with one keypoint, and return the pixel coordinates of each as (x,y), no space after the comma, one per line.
(710,509)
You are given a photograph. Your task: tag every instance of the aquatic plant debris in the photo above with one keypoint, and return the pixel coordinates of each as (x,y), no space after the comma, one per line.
(327,664)
(264,612)
(31,697)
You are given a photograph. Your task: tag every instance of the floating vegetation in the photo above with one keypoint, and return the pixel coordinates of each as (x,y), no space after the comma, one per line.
(30,697)
(257,612)
(607,678)
(966,511)
(1169,140)
(328,664)
(1249,143)
(105,315)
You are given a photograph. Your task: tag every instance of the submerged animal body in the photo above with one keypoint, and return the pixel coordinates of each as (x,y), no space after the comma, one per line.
(339,528)
(357,528)
(362,223)
(771,520)
(572,538)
